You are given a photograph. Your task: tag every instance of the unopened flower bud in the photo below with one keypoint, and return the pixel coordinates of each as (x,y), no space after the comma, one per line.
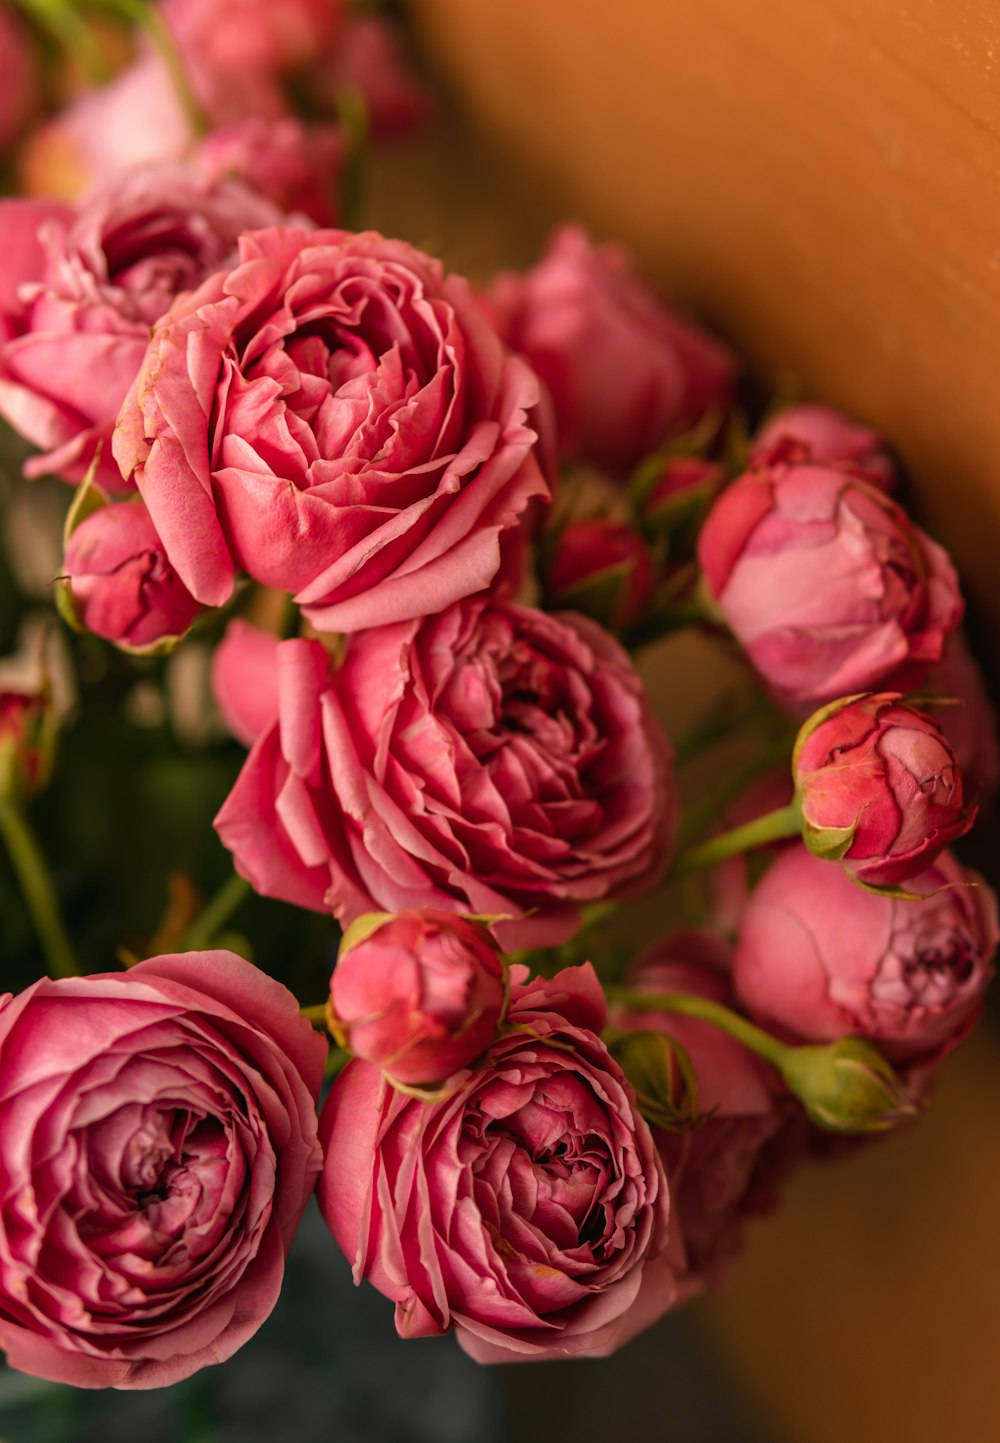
(601,568)
(662,1077)
(27,744)
(848,1087)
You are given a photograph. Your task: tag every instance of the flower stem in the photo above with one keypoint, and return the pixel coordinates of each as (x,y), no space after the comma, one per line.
(213,917)
(315,1013)
(772,827)
(39,893)
(754,1038)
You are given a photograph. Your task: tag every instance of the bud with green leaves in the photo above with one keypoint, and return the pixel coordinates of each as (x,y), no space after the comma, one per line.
(847,1086)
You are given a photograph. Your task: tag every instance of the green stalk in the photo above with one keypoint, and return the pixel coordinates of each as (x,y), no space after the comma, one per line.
(213,917)
(754,1038)
(39,893)
(772,827)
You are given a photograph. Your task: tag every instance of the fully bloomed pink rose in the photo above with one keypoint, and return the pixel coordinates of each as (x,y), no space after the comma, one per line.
(625,373)
(876,765)
(120,584)
(108,275)
(490,760)
(420,995)
(526,1209)
(821,958)
(158,1145)
(825,581)
(334,417)
(825,434)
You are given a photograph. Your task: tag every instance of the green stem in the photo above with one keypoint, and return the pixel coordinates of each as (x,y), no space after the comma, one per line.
(700,816)
(315,1013)
(152,21)
(70,31)
(755,1039)
(39,893)
(772,827)
(213,917)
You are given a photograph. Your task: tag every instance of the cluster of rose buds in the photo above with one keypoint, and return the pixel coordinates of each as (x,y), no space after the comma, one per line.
(422,530)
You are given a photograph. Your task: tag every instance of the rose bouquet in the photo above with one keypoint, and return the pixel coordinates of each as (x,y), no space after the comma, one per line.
(419,534)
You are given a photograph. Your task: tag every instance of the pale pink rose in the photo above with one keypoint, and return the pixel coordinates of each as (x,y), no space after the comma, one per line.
(625,373)
(108,275)
(121,584)
(158,1145)
(490,760)
(821,957)
(520,1210)
(294,165)
(420,996)
(825,434)
(602,568)
(967,717)
(19,69)
(334,417)
(876,765)
(368,58)
(826,582)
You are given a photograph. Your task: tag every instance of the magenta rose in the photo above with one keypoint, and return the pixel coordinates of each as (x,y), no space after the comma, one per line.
(602,568)
(824,434)
(109,273)
(879,787)
(334,417)
(119,583)
(489,760)
(625,373)
(158,1145)
(820,957)
(420,995)
(825,581)
(525,1208)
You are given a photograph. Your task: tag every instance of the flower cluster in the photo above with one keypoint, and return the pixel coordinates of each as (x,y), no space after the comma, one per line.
(413,536)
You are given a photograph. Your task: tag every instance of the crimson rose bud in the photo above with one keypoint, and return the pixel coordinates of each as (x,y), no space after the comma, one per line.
(880,788)
(27,742)
(119,583)
(820,958)
(602,568)
(419,994)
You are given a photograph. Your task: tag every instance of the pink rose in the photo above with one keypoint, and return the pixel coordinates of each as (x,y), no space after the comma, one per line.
(23,226)
(825,581)
(820,957)
(334,417)
(158,1145)
(420,996)
(368,58)
(19,68)
(730,1165)
(968,719)
(108,275)
(879,787)
(824,434)
(602,568)
(245,680)
(233,48)
(490,760)
(120,584)
(295,166)
(625,373)
(523,1208)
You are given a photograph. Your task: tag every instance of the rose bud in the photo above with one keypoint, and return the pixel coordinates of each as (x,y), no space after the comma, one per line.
(27,743)
(879,788)
(294,165)
(420,994)
(625,373)
(602,569)
(825,434)
(486,759)
(158,1146)
(119,583)
(369,59)
(821,958)
(848,1087)
(527,1208)
(825,581)
(681,493)
(967,717)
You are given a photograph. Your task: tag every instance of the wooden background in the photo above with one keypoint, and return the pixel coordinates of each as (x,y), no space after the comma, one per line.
(821,179)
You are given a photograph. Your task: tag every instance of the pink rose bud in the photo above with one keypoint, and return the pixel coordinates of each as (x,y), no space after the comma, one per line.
(419,995)
(119,583)
(682,481)
(27,744)
(294,165)
(879,787)
(369,58)
(821,958)
(825,581)
(625,373)
(824,434)
(603,569)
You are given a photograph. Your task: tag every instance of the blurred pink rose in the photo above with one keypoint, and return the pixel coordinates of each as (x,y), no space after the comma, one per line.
(820,957)
(602,568)
(19,69)
(158,1144)
(523,1208)
(24,225)
(420,996)
(294,165)
(369,58)
(969,720)
(877,765)
(825,434)
(109,274)
(121,584)
(245,44)
(334,417)
(625,373)
(489,760)
(826,582)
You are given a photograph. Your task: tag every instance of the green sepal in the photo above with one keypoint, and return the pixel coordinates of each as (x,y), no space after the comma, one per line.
(361,929)
(830,844)
(662,1077)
